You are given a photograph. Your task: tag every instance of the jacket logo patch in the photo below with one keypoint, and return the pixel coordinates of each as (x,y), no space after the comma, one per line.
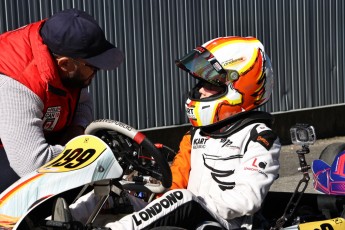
(260,164)
(257,167)
(199,142)
(263,141)
(227,143)
(51,118)
(265,138)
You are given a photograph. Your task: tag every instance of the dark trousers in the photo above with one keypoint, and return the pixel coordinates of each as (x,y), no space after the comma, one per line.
(7,174)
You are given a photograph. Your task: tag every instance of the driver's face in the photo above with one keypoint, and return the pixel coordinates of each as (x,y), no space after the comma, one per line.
(208,90)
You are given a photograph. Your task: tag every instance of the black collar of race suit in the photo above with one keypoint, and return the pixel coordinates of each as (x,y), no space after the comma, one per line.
(233,124)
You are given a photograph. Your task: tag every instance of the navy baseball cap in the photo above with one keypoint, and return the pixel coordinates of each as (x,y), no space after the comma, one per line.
(76,34)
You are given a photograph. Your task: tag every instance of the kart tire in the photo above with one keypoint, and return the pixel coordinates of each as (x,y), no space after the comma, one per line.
(331,151)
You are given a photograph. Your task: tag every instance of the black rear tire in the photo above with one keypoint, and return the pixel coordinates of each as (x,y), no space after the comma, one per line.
(331,151)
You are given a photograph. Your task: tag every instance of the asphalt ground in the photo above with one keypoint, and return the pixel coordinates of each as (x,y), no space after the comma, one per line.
(289,176)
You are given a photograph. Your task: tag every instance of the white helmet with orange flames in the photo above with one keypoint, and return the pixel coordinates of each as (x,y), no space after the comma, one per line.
(237,64)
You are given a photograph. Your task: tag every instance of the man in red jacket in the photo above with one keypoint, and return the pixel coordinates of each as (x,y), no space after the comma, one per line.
(45,68)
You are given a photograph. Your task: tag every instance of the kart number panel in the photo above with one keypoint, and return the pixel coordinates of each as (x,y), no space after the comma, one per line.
(78,153)
(335,224)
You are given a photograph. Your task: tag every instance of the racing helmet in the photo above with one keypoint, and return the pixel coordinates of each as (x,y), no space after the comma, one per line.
(330,179)
(238,65)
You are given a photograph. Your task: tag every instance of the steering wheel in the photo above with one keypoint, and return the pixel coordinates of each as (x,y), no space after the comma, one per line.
(134,152)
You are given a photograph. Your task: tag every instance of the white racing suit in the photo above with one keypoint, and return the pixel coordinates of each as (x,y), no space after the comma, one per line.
(229,177)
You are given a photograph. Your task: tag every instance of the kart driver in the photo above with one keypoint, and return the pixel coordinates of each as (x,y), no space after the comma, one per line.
(229,159)
(45,68)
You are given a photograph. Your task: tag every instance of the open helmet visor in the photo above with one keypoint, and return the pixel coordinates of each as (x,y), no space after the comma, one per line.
(201,64)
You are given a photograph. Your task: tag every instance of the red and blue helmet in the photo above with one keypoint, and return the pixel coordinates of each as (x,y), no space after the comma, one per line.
(330,179)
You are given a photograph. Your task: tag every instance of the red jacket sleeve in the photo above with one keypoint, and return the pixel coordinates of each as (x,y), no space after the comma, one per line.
(180,166)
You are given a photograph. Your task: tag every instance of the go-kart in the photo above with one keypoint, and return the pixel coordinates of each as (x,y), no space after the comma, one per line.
(110,154)
(113,159)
